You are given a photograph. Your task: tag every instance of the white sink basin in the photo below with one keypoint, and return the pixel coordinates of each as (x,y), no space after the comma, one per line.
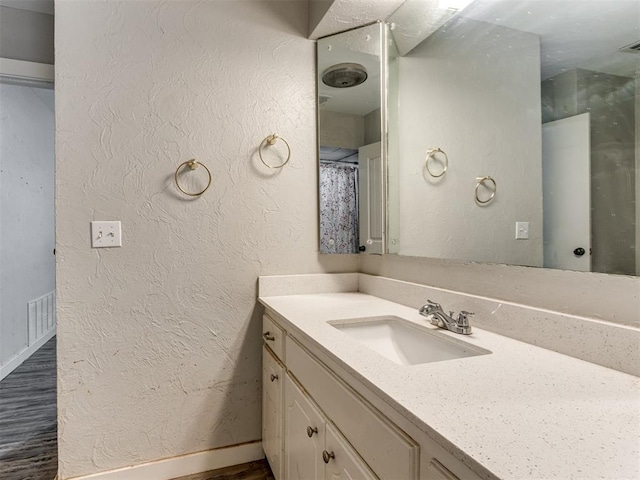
(405,342)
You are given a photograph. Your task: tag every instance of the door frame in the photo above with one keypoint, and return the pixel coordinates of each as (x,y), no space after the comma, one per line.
(29,74)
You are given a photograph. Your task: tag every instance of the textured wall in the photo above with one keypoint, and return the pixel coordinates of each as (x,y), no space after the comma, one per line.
(27,263)
(342,130)
(26,35)
(372,127)
(559,96)
(159,341)
(471,89)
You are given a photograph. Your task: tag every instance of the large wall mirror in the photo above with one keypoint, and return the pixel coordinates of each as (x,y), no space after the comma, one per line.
(351,109)
(517,137)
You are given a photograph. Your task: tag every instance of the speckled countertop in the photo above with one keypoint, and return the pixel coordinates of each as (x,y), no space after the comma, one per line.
(520,412)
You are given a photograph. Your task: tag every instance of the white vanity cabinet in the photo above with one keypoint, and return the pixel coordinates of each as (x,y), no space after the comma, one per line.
(316,426)
(437,471)
(273,374)
(272,410)
(343,463)
(314,449)
(305,435)
(389,452)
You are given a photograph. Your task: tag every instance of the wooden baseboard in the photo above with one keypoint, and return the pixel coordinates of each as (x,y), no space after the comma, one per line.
(183,465)
(17,360)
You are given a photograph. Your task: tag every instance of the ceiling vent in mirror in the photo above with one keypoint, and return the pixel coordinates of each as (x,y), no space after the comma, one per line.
(632,48)
(344,75)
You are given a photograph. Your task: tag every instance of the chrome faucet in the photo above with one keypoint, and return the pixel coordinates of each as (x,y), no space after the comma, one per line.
(442,320)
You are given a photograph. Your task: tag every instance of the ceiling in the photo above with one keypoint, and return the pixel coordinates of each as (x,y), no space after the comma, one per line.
(573,33)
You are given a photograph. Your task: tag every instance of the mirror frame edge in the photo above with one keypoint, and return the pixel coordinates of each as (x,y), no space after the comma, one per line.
(383,26)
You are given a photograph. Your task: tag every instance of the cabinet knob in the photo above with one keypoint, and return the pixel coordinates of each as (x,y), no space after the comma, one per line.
(268,336)
(311,431)
(326,456)
(274,377)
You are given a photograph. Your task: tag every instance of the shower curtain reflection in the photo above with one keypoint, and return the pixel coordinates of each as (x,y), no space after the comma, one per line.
(338,208)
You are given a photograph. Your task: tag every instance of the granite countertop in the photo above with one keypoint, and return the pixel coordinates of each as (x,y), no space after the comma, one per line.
(520,412)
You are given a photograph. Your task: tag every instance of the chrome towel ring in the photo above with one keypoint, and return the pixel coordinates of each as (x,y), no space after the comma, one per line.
(192,164)
(431,154)
(482,181)
(270,141)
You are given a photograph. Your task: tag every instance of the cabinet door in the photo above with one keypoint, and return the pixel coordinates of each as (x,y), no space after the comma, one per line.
(304,435)
(343,463)
(437,471)
(272,411)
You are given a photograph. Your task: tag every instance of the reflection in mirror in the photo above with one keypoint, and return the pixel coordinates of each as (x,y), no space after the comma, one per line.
(352,196)
(541,96)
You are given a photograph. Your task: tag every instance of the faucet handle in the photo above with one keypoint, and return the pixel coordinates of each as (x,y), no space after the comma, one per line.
(429,308)
(463,318)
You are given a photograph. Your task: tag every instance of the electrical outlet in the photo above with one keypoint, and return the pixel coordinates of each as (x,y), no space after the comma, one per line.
(522,230)
(106,234)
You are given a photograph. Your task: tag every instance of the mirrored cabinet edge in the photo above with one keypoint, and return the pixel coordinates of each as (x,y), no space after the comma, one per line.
(357,109)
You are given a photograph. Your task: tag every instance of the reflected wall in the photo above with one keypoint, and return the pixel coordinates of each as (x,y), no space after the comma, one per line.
(610,100)
(474,92)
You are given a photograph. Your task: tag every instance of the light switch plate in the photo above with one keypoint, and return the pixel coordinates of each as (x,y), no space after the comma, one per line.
(522,230)
(106,234)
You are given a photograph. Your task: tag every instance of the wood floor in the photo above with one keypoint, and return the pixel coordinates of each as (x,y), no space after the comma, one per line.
(249,471)
(28,425)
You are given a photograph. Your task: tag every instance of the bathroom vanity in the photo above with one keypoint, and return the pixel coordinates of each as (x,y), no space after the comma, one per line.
(335,405)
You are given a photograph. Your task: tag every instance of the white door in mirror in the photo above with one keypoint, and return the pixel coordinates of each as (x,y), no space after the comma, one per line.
(106,234)
(566,185)
(371,198)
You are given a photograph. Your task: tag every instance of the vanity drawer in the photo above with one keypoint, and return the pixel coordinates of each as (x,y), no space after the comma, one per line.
(273,336)
(390,452)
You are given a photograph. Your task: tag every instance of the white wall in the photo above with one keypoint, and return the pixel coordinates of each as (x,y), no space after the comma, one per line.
(159,341)
(372,127)
(474,91)
(342,130)
(25,35)
(26,209)
(349,131)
